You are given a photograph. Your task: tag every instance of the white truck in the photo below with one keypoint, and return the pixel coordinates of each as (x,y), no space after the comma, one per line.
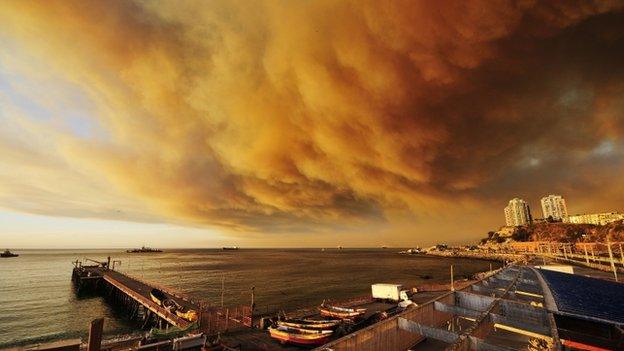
(392,292)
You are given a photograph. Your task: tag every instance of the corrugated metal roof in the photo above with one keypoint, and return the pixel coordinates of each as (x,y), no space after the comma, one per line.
(586,296)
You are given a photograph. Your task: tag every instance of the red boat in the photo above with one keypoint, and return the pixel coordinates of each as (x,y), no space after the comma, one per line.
(298,336)
(341,312)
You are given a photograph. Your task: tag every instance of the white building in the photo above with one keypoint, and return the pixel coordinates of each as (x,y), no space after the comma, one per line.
(517,213)
(596,218)
(554,206)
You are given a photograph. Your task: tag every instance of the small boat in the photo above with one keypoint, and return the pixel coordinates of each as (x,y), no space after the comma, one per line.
(158,296)
(310,323)
(161,299)
(341,312)
(227,248)
(8,253)
(143,249)
(299,336)
(189,315)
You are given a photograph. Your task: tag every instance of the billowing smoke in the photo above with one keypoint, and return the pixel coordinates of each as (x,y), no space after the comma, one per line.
(296,115)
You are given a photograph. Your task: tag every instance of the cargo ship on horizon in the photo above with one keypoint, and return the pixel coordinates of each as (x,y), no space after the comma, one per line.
(143,249)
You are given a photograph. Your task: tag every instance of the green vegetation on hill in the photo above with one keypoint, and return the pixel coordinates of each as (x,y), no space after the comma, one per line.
(560,232)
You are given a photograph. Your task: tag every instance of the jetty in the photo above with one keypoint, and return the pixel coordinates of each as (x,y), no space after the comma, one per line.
(133,295)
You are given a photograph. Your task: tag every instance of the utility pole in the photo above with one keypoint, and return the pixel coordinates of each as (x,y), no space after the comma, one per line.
(222,288)
(611,260)
(452,281)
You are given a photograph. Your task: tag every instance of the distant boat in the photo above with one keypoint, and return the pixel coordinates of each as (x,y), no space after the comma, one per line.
(8,253)
(298,336)
(339,247)
(143,249)
(230,248)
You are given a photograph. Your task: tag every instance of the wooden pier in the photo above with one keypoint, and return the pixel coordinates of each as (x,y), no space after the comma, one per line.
(133,296)
(129,292)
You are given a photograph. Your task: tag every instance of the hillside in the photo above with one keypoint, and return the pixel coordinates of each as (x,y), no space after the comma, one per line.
(561,232)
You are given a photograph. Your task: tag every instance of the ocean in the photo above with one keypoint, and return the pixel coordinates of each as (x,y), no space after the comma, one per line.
(38,303)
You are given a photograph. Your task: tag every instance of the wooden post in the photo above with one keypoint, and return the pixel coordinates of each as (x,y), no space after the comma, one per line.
(549,248)
(586,256)
(592,252)
(452,282)
(490,266)
(95,334)
(253,304)
(227,318)
(222,288)
(611,260)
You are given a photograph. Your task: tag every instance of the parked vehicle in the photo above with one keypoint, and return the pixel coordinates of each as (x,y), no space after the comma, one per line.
(392,292)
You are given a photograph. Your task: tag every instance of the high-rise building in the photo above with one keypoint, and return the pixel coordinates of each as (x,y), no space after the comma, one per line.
(554,206)
(517,213)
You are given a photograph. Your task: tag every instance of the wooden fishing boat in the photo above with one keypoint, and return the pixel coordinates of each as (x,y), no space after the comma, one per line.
(161,299)
(310,324)
(298,336)
(158,296)
(341,312)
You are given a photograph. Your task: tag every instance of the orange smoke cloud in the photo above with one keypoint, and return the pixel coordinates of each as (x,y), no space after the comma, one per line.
(293,115)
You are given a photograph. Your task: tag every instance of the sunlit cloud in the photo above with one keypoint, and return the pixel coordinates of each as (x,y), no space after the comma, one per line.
(306,117)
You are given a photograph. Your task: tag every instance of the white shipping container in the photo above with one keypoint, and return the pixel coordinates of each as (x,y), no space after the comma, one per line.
(387,291)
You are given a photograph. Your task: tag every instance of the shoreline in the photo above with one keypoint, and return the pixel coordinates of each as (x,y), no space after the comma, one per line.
(439,284)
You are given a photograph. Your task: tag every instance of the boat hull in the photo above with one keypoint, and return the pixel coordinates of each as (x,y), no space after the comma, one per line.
(315,338)
(326,325)
(341,313)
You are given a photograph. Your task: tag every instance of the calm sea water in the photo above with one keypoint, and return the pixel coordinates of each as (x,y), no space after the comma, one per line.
(37,301)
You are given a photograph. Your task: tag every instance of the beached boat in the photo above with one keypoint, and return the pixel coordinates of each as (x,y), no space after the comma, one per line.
(298,336)
(310,323)
(189,315)
(341,312)
(8,253)
(161,299)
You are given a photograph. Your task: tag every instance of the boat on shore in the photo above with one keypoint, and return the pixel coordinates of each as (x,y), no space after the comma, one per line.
(143,249)
(310,323)
(341,312)
(8,253)
(299,336)
(227,248)
(171,305)
(161,299)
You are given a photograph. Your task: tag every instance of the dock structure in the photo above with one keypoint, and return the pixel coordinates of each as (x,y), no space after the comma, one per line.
(518,307)
(133,295)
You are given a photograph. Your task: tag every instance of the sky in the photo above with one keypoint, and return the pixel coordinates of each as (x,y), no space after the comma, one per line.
(302,123)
